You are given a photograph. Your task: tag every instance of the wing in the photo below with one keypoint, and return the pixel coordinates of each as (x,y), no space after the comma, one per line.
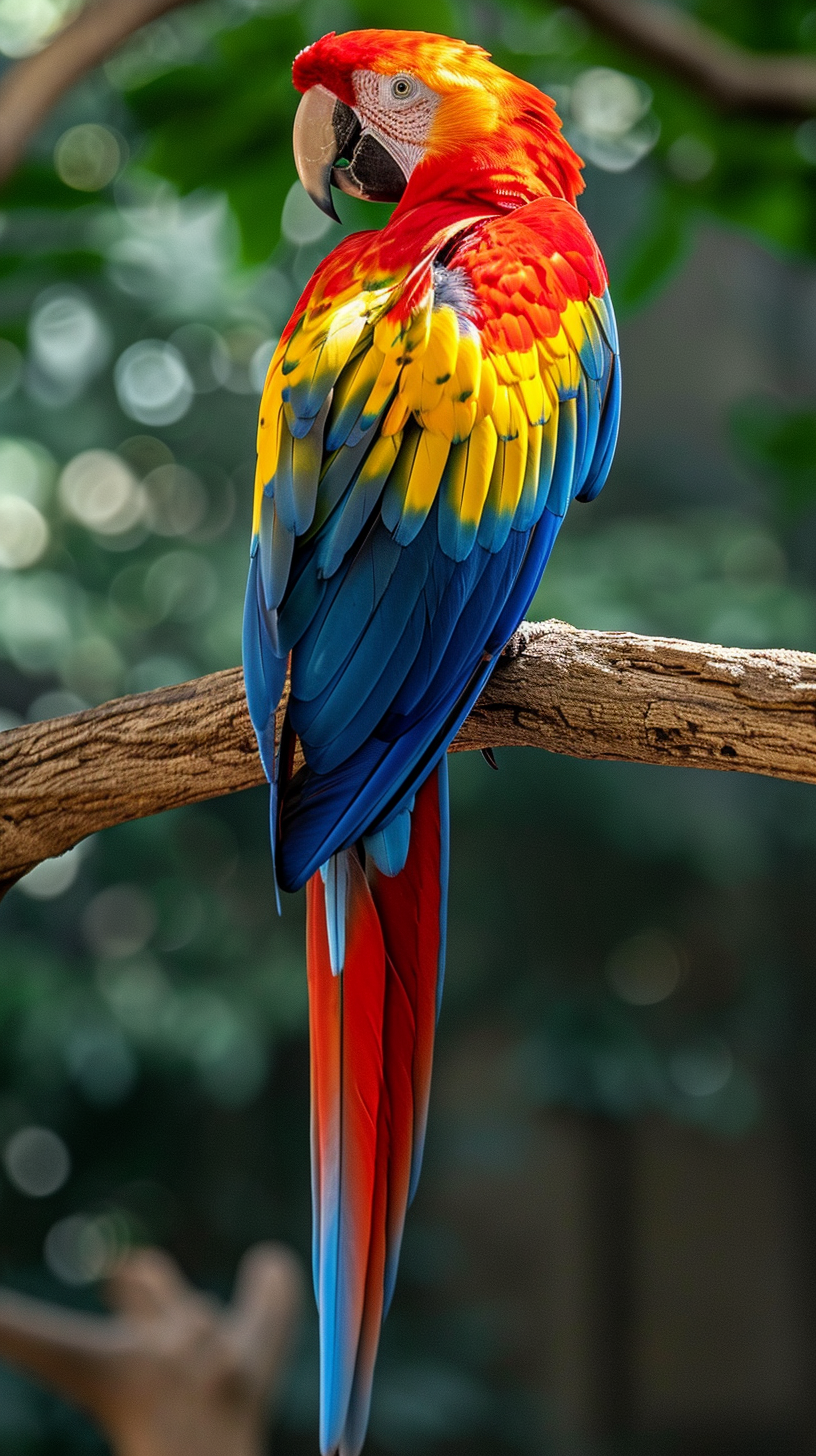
(422,434)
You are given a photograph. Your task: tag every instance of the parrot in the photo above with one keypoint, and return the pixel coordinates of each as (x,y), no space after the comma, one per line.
(446,385)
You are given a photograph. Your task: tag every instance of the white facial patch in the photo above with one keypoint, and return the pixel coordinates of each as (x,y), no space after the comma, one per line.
(399,110)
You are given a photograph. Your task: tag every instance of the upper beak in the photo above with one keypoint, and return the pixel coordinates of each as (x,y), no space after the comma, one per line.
(317,145)
(326,129)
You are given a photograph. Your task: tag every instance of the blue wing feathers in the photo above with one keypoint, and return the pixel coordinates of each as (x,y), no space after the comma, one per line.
(607,435)
(283,485)
(399,479)
(264,672)
(592,420)
(563,475)
(365,792)
(457,635)
(277,545)
(299,609)
(593,355)
(394,625)
(389,846)
(345,801)
(349,604)
(347,717)
(385,648)
(581,433)
(349,521)
(298,475)
(526,583)
(456,535)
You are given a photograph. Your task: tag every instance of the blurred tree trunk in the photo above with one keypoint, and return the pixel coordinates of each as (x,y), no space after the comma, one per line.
(170,1373)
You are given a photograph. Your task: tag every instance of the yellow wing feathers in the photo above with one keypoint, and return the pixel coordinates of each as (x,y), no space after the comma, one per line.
(486,409)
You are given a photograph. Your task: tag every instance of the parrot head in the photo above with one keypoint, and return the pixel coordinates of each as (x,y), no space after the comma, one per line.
(390,112)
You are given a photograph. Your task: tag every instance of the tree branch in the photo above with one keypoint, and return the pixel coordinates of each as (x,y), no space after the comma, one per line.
(733,78)
(30,89)
(588,694)
(170,1373)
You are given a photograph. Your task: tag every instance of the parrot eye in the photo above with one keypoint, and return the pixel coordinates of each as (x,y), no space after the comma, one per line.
(403,87)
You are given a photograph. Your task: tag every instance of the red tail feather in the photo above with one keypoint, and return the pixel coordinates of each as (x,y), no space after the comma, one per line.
(372,1031)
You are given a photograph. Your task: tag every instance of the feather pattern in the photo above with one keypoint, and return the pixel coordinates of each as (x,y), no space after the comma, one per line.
(444,390)
(372,1032)
(346,1017)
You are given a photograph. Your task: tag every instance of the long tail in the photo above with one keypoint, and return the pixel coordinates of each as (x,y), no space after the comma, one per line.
(375,955)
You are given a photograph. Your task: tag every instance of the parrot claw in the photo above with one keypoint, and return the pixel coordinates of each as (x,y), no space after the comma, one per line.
(489,757)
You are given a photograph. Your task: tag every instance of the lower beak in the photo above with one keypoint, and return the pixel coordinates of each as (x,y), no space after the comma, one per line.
(318,140)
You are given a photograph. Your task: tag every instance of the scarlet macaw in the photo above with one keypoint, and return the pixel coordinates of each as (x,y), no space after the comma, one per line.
(443,390)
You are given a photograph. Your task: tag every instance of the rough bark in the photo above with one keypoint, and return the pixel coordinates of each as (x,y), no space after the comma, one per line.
(589,694)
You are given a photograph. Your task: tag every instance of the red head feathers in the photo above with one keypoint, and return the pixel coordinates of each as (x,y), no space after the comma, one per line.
(449,116)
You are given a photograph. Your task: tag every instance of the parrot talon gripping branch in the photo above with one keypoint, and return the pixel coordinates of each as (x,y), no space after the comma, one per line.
(444,389)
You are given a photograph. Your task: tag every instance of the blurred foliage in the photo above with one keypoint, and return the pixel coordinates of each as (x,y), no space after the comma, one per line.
(639,936)
(753,174)
(782,441)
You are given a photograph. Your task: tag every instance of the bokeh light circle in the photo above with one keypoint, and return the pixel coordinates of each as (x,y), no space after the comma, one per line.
(646,969)
(25,25)
(26,470)
(68,339)
(52,877)
(87,157)
(153,383)
(703,1067)
(119,921)
(176,500)
(36,1161)
(98,489)
(79,1250)
(23,533)
(301,219)
(606,103)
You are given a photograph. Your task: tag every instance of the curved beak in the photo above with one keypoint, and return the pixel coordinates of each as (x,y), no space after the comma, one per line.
(328,132)
(317,146)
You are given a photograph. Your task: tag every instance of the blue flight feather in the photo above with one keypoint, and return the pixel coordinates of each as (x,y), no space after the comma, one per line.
(349,521)
(607,436)
(335,875)
(347,717)
(584,461)
(444,875)
(560,492)
(264,671)
(277,545)
(399,480)
(332,635)
(389,846)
